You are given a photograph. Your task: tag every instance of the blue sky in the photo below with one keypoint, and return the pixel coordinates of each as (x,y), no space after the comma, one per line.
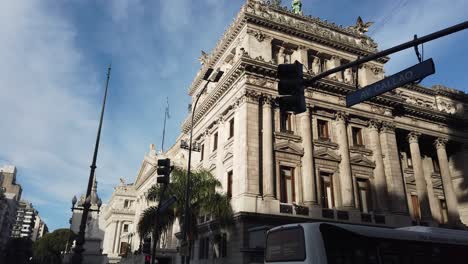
(53,60)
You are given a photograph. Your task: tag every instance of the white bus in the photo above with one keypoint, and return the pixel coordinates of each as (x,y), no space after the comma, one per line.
(326,243)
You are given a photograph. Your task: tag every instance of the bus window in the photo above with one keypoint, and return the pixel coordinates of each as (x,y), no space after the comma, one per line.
(285,245)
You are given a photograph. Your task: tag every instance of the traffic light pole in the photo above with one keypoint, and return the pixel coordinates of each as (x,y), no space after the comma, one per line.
(406,45)
(155,231)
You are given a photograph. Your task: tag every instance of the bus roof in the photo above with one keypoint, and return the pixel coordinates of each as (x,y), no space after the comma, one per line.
(427,234)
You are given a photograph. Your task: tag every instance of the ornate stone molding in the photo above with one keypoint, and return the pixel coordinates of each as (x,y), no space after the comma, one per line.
(341,116)
(260,36)
(387,127)
(374,124)
(413,137)
(268,100)
(440,143)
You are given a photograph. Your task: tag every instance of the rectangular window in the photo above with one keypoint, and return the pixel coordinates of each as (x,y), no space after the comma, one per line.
(416,209)
(285,245)
(229,184)
(125,228)
(357,136)
(126,204)
(286,122)
(323,130)
(409,161)
(231,128)
(435,164)
(123,248)
(287,184)
(443,211)
(202,152)
(326,187)
(215,141)
(363,188)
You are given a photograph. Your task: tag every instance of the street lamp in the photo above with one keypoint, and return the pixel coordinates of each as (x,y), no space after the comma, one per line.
(206,77)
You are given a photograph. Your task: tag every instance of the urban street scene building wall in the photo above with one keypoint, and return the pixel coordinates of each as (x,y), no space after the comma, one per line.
(396,160)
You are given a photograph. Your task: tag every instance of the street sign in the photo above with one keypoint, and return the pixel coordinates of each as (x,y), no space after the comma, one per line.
(415,73)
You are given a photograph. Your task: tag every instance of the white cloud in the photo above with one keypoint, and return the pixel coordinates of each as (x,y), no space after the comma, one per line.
(46,118)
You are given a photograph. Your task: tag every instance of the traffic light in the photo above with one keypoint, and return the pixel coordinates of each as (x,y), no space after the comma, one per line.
(291,88)
(147,245)
(164,170)
(148,259)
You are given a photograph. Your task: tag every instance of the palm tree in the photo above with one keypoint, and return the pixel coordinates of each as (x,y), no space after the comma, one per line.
(204,200)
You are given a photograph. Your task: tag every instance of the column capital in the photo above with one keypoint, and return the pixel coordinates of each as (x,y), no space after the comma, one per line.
(341,116)
(268,100)
(413,137)
(440,143)
(387,127)
(374,124)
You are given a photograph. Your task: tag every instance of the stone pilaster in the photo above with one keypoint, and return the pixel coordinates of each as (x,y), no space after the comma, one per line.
(308,180)
(346,180)
(450,198)
(395,183)
(380,179)
(418,170)
(267,150)
(117,236)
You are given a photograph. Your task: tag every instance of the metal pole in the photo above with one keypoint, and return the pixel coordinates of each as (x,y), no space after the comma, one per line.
(406,45)
(155,232)
(78,250)
(187,187)
(166,113)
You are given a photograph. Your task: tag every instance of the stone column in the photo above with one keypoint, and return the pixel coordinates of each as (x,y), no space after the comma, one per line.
(267,151)
(346,180)
(117,236)
(450,198)
(395,183)
(418,170)
(308,176)
(380,179)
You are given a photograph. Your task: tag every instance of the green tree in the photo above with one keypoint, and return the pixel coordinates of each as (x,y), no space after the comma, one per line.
(204,200)
(49,248)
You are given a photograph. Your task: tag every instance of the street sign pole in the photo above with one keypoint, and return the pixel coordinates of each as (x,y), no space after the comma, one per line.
(412,74)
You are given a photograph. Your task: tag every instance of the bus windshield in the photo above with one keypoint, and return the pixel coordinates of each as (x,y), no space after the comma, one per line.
(286,244)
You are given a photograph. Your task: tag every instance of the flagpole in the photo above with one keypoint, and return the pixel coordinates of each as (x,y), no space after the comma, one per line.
(166,114)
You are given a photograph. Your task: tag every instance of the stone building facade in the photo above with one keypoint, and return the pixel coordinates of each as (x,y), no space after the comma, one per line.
(393,161)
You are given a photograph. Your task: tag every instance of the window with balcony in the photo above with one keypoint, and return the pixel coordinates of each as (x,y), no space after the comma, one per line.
(323,132)
(286,122)
(215,141)
(357,137)
(287,192)
(364,195)
(202,152)
(416,208)
(443,211)
(326,187)
(231,128)
(229,184)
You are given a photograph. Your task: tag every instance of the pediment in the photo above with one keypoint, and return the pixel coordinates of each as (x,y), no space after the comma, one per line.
(146,170)
(361,160)
(212,167)
(326,154)
(289,147)
(227,156)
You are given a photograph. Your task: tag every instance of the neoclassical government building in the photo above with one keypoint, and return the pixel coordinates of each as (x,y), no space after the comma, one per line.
(397,160)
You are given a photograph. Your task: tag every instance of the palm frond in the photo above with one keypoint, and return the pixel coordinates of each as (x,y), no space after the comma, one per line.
(148,221)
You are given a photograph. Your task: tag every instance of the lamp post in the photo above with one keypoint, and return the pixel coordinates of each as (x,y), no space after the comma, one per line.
(206,77)
(78,250)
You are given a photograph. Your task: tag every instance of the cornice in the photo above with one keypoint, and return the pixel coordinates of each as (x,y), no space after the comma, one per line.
(229,35)
(311,28)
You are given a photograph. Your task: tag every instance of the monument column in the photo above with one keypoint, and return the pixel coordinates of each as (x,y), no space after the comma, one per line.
(421,186)
(346,180)
(379,170)
(308,179)
(450,197)
(267,151)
